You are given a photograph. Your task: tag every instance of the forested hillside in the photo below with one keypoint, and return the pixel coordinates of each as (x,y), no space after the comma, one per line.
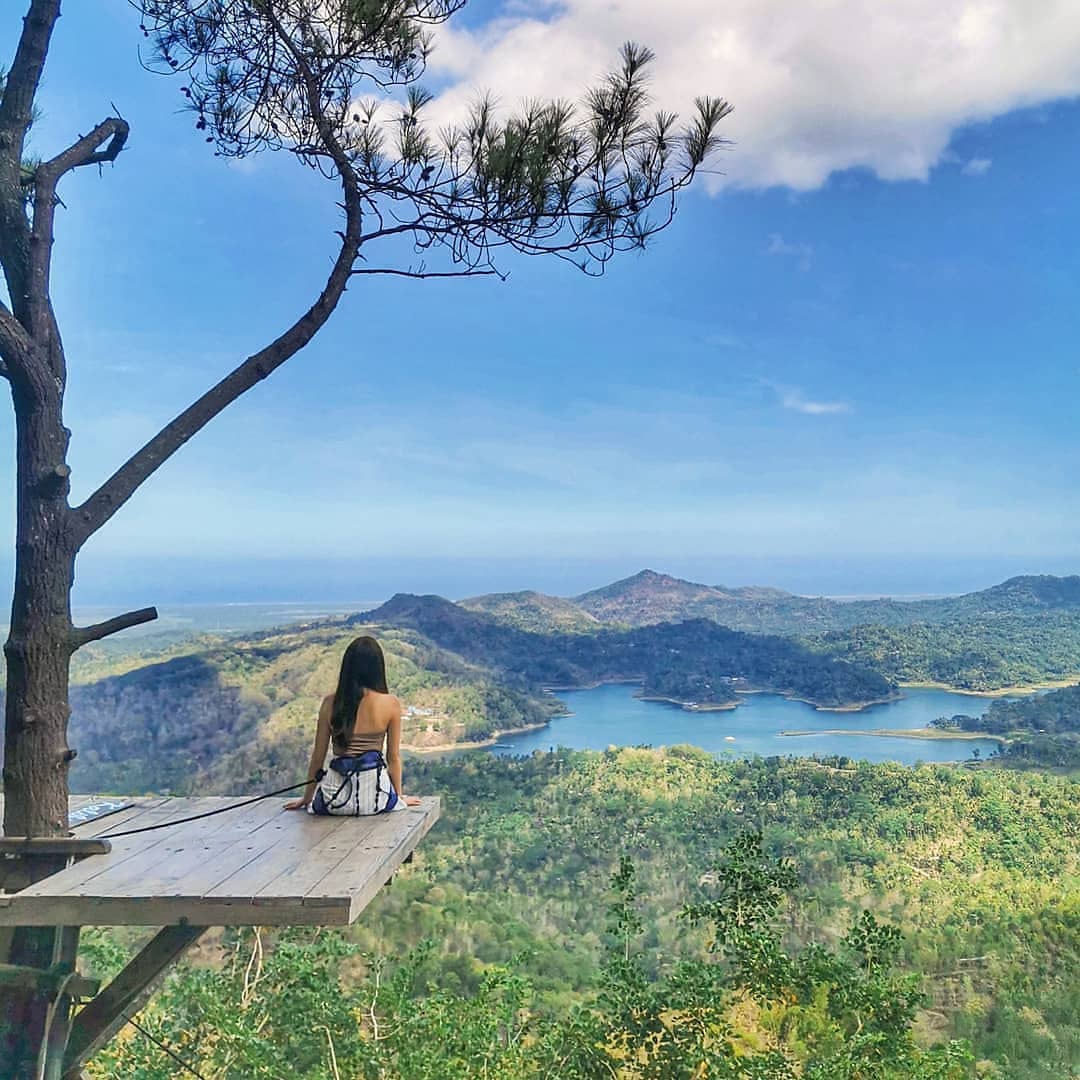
(534,611)
(1023,632)
(210,707)
(968,654)
(977,870)
(213,708)
(174,708)
(696,660)
(1041,730)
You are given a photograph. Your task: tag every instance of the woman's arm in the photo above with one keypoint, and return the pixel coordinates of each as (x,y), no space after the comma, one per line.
(393,753)
(318,755)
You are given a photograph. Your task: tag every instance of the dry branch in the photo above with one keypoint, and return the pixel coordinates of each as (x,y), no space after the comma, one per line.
(81,635)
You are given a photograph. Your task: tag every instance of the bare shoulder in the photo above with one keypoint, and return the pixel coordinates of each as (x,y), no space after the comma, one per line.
(327,706)
(388,704)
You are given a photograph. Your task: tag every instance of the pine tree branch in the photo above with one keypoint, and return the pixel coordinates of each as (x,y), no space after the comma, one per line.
(420,274)
(81,635)
(16,115)
(87,150)
(103,503)
(20,88)
(101,145)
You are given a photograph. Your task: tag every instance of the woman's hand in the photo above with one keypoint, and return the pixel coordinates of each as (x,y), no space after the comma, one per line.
(296,804)
(411,800)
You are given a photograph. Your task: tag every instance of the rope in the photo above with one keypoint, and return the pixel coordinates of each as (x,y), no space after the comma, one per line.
(161,1046)
(210,813)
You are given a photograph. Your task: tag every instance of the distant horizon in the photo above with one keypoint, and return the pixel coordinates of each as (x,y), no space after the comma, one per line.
(346,584)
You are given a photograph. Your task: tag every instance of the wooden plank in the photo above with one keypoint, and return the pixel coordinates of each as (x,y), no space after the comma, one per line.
(172,911)
(346,847)
(75,879)
(75,846)
(148,887)
(362,895)
(169,854)
(365,855)
(197,864)
(374,860)
(311,844)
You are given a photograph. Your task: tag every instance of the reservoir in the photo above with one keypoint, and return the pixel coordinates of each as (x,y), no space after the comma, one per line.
(611,715)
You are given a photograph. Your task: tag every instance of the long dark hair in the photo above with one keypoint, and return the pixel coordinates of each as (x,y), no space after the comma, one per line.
(363,667)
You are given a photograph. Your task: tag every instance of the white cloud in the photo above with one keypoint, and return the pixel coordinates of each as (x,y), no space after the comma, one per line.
(777,245)
(818,85)
(977,166)
(793,399)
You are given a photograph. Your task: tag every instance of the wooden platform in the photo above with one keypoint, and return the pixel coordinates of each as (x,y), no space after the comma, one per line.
(256,866)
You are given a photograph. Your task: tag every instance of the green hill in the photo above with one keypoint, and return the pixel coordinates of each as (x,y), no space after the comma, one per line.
(978,652)
(1022,632)
(534,611)
(246,706)
(1042,730)
(692,661)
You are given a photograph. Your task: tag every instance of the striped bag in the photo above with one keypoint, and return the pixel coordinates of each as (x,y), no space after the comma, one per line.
(356,787)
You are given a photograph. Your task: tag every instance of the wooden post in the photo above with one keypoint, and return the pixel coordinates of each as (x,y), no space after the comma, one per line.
(58,1022)
(41,969)
(23,1028)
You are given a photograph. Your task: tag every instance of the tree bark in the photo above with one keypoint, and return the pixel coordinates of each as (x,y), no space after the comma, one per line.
(38,652)
(39,645)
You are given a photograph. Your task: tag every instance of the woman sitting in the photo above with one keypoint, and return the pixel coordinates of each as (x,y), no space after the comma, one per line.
(363,722)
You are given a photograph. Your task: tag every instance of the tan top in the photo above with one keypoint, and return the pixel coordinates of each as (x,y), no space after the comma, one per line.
(360,743)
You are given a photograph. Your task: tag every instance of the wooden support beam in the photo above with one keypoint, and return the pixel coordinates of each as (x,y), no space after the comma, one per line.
(47,979)
(25,1017)
(58,1025)
(6,933)
(96,1024)
(76,847)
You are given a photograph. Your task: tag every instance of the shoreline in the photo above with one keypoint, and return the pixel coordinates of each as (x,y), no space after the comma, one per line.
(859,706)
(695,706)
(629,681)
(1005,691)
(476,744)
(929,734)
(725,706)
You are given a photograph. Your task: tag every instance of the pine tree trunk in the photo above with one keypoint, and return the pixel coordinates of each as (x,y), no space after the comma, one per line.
(38,652)
(39,646)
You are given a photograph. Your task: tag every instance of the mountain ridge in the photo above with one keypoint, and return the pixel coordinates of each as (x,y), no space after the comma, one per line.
(650,597)
(693,660)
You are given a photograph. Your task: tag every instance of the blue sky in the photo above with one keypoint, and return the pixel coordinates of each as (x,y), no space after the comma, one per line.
(844,383)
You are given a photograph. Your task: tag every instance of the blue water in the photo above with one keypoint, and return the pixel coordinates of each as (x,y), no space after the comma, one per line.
(612,716)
